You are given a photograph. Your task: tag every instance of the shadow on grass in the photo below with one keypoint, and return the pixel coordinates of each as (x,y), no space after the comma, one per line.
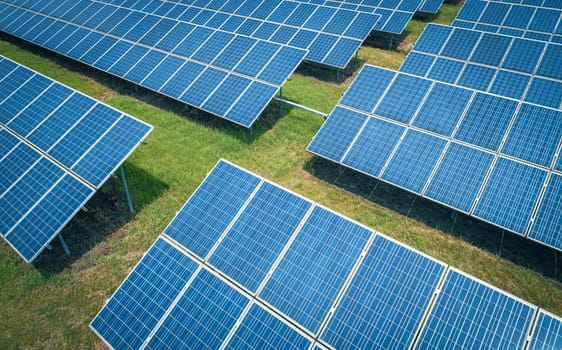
(265,121)
(107,211)
(509,246)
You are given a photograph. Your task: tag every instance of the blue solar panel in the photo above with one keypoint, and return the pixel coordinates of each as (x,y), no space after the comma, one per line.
(535,135)
(510,84)
(417,63)
(472,10)
(211,208)
(548,220)
(459,177)
(182,79)
(260,330)
(476,77)
(319,262)
(547,333)
(366,90)
(136,307)
(385,303)
(321,46)
(414,160)
(213,46)
(205,84)
(432,39)
(545,20)
(461,43)
(374,145)
(443,108)
(486,121)
(446,70)
(519,17)
(545,92)
(338,132)
(491,49)
(22,97)
(277,70)
(339,56)
(260,225)
(234,52)
(394,106)
(249,106)
(199,320)
(551,65)
(510,195)
(477,316)
(523,55)
(226,94)
(160,75)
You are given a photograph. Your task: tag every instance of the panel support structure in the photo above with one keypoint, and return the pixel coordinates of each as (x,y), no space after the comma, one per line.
(63,244)
(124,179)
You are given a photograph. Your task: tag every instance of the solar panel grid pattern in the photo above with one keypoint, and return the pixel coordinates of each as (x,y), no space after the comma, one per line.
(519,68)
(547,332)
(531,21)
(184,46)
(476,317)
(59,146)
(443,143)
(306,26)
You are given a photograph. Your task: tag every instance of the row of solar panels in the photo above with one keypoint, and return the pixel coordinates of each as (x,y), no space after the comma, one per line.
(485,155)
(429,6)
(246,264)
(533,22)
(395,15)
(228,75)
(331,36)
(472,120)
(522,69)
(57,147)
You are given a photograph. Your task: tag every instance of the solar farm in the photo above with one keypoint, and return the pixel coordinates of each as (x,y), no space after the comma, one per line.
(295,174)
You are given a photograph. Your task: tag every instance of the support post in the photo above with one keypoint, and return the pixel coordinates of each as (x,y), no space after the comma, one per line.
(281,100)
(64,245)
(356,60)
(391,42)
(337,75)
(124,180)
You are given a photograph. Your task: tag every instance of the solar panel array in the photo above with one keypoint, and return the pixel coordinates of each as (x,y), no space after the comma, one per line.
(519,20)
(57,147)
(519,68)
(245,264)
(472,120)
(228,75)
(331,36)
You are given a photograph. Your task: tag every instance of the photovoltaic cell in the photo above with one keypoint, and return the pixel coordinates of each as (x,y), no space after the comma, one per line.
(366,90)
(443,108)
(510,195)
(202,317)
(319,262)
(386,301)
(250,248)
(459,177)
(136,307)
(486,121)
(547,333)
(261,330)
(475,316)
(374,145)
(212,207)
(394,106)
(414,160)
(342,122)
(548,221)
(545,92)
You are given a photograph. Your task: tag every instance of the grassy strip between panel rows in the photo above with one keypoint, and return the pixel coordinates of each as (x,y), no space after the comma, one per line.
(50,304)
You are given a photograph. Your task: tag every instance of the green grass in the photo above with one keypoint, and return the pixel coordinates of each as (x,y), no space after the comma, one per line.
(49,304)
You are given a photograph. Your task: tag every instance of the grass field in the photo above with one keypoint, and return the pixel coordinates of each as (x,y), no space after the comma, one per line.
(49,304)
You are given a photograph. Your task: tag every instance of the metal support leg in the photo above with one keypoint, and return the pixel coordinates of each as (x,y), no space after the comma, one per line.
(64,245)
(391,42)
(337,75)
(129,201)
(280,102)
(356,60)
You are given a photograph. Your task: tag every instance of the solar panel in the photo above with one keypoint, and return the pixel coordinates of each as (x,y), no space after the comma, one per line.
(331,36)
(152,51)
(475,315)
(483,154)
(387,299)
(324,282)
(547,332)
(58,148)
(518,68)
(528,20)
